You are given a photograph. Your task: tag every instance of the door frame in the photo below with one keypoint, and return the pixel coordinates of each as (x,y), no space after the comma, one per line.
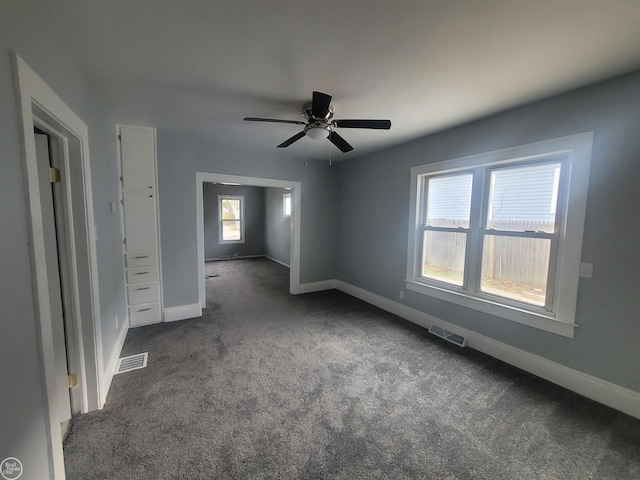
(39,104)
(294,253)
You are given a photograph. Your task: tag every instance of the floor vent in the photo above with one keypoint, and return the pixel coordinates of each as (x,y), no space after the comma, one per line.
(448,336)
(134,362)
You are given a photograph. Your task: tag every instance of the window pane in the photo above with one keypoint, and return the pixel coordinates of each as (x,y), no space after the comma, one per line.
(516,268)
(524,198)
(231,230)
(449,201)
(230,208)
(443,256)
(287,204)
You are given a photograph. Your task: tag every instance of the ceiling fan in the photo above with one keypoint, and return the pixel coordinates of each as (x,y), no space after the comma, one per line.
(319,124)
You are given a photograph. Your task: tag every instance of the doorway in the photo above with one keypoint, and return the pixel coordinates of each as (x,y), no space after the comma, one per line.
(66,279)
(294,255)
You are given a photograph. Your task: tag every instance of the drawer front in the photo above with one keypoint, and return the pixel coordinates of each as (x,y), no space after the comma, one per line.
(141,259)
(144,314)
(142,274)
(143,293)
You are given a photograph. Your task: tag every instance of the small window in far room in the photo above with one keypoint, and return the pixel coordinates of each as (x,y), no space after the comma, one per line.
(231,215)
(286,204)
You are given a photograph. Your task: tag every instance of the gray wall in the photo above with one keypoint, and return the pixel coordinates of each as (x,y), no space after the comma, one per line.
(254,216)
(22,405)
(180,155)
(277,233)
(373,225)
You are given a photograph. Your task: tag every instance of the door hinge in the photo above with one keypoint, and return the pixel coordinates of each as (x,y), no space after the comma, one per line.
(55,175)
(120,137)
(72,380)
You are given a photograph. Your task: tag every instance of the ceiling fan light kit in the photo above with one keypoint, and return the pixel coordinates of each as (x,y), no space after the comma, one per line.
(319,125)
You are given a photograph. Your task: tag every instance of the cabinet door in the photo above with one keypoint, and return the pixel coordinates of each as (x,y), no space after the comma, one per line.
(137,153)
(140,221)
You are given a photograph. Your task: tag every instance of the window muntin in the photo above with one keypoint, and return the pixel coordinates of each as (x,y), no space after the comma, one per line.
(231,215)
(546,298)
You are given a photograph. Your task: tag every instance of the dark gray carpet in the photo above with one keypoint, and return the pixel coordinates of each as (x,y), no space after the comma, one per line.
(269,385)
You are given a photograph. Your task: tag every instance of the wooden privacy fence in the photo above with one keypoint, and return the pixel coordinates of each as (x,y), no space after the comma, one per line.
(509,259)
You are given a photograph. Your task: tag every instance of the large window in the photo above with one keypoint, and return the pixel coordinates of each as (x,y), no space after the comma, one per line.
(231,215)
(501,232)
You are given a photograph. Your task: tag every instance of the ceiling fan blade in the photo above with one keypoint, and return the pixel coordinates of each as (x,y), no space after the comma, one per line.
(340,142)
(273,120)
(295,138)
(375,124)
(320,104)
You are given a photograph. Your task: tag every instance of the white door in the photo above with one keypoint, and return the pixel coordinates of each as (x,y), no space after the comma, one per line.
(54,252)
(138,158)
(140,226)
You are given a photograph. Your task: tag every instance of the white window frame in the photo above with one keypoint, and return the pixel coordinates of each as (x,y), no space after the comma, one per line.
(285,197)
(559,318)
(221,221)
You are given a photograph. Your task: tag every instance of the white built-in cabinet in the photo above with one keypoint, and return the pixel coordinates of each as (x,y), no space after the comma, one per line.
(139,201)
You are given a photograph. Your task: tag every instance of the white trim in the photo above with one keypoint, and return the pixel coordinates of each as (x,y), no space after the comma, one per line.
(33,91)
(561,321)
(182,312)
(277,261)
(203,177)
(112,364)
(607,393)
(316,286)
(239,257)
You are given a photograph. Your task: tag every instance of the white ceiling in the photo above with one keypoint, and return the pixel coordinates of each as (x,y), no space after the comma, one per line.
(202,66)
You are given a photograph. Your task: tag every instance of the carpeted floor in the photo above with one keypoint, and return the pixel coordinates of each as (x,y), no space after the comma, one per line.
(269,385)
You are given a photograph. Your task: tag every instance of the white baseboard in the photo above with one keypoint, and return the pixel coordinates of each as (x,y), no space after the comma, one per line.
(278,261)
(314,287)
(607,393)
(110,370)
(173,314)
(239,257)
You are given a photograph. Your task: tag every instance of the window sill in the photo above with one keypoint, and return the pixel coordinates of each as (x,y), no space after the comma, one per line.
(532,319)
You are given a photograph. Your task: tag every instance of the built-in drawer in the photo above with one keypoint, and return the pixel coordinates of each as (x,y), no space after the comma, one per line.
(142,293)
(144,314)
(141,259)
(142,274)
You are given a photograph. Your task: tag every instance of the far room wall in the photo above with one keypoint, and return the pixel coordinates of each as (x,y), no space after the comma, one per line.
(277,226)
(254,220)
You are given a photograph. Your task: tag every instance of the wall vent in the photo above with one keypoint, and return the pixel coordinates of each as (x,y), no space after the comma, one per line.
(448,336)
(133,362)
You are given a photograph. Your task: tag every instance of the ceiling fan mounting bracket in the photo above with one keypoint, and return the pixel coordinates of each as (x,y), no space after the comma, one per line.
(306,113)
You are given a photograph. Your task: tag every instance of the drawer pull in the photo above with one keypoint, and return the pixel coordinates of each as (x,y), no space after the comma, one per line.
(141,273)
(143,288)
(142,256)
(143,310)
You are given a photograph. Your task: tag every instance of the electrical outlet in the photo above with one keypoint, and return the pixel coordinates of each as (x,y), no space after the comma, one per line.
(586,270)
(401,295)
